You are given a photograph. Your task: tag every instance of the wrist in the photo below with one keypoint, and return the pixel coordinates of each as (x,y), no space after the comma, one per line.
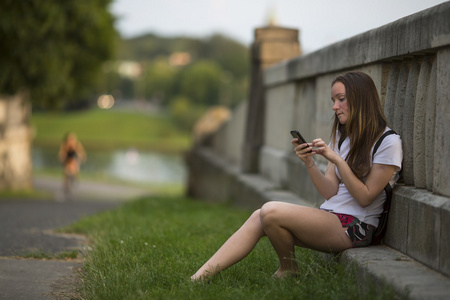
(339,161)
(309,165)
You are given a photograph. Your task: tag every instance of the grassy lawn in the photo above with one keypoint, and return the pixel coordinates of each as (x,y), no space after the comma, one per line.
(148,248)
(110,129)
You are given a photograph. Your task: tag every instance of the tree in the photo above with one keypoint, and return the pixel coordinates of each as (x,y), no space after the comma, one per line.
(158,80)
(232,56)
(201,82)
(54,49)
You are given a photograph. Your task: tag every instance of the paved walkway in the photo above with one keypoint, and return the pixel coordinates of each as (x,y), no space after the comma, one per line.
(28,226)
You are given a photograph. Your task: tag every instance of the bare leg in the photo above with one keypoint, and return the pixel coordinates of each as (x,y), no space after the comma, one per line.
(71,170)
(238,246)
(66,182)
(287,225)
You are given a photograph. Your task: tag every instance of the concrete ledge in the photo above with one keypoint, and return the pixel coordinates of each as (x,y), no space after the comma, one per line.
(385,266)
(416,226)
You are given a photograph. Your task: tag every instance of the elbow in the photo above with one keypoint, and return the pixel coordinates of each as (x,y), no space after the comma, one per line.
(365,202)
(329,195)
(364,205)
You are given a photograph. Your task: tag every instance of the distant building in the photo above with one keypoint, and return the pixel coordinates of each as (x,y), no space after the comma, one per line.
(179,59)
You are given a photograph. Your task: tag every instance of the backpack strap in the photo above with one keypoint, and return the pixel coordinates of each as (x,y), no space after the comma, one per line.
(381,229)
(380,140)
(388,188)
(377,144)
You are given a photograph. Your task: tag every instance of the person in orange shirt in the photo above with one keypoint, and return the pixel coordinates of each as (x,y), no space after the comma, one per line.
(71,153)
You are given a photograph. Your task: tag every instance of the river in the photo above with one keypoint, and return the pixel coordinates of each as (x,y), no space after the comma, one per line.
(129,165)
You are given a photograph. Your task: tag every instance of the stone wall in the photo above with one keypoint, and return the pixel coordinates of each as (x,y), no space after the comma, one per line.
(409,61)
(15,143)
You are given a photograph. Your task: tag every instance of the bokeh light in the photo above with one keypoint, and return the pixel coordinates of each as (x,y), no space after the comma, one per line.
(105,101)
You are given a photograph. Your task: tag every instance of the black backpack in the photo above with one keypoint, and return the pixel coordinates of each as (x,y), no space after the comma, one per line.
(382,226)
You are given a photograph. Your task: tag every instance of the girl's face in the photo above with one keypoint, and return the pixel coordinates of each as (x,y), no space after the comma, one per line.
(339,99)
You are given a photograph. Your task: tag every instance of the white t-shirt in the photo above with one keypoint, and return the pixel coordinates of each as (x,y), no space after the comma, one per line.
(389,153)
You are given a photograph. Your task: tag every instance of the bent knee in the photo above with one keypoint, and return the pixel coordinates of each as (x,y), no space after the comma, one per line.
(270,212)
(255,216)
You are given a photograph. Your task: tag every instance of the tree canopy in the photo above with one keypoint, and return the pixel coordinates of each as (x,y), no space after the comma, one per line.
(54,49)
(229,54)
(184,74)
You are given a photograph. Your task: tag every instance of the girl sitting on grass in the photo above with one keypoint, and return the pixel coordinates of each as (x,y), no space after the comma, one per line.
(353,186)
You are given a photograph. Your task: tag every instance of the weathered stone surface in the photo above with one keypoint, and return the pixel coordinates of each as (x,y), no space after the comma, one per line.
(441,184)
(419,142)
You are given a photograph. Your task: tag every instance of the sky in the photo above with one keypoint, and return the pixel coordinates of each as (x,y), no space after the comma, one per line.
(321,22)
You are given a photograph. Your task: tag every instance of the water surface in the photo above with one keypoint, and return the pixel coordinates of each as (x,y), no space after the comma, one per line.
(130,165)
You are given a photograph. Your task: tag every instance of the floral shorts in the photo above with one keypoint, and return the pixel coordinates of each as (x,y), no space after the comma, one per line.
(360,233)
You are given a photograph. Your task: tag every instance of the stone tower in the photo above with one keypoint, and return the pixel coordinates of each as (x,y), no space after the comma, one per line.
(272,44)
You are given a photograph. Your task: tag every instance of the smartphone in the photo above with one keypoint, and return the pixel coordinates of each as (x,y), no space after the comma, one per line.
(297,134)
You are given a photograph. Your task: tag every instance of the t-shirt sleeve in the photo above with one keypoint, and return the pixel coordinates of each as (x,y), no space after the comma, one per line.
(390,152)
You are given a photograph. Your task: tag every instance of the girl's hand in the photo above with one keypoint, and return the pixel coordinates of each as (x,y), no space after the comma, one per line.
(303,151)
(321,148)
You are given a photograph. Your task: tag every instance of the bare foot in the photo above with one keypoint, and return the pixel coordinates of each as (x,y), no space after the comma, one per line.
(280,274)
(199,279)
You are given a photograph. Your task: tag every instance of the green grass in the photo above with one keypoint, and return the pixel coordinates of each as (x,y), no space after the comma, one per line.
(149,248)
(109,129)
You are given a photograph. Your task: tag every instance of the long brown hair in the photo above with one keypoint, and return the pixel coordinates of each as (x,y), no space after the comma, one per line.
(366,120)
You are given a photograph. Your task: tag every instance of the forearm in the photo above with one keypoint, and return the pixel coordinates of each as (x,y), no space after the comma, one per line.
(326,187)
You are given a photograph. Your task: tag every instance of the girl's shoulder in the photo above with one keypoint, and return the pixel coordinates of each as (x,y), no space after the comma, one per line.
(391,137)
(390,142)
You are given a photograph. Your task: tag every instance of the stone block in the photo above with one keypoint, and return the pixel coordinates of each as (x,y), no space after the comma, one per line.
(278,50)
(279,116)
(249,191)
(444,253)
(305,109)
(383,266)
(430,125)
(324,117)
(408,122)
(389,104)
(234,135)
(397,229)
(209,176)
(400,92)
(424,227)
(300,183)
(273,165)
(441,176)
(419,143)
(276,33)
(228,140)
